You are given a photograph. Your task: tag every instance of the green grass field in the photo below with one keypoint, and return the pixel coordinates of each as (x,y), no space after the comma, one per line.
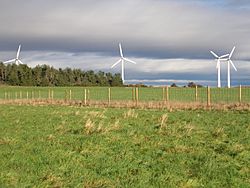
(222,95)
(53,146)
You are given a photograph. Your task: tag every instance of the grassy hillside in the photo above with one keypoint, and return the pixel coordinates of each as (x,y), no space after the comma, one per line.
(69,146)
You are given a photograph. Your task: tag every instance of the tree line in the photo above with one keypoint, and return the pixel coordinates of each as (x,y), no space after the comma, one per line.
(45,75)
(190,84)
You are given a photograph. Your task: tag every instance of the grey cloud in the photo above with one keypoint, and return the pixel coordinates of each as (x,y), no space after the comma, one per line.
(245,4)
(148,28)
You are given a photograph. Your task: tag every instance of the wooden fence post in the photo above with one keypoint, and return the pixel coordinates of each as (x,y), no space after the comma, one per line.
(70,94)
(208,96)
(39,94)
(109,96)
(85,97)
(88,95)
(27,95)
(66,95)
(163,94)
(5,95)
(49,94)
(16,95)
(137,95)
(52,94)
(21,95)
(32,94)
(240,94)
(196,93)
(167,93)
(133,94)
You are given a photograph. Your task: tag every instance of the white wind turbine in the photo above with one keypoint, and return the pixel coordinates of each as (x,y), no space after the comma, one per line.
(16,60)
(122,60)
(229,61)
(219,59)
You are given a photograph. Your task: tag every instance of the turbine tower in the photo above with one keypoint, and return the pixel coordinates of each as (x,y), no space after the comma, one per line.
(122,61)
(219,59)
(230,62)
(17,61)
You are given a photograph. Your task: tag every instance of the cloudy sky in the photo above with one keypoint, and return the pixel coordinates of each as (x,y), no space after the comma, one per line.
(169,39)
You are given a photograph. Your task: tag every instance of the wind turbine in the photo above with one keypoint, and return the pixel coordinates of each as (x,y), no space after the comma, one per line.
(219,59)
(229,61)
(122,60)
(16,60)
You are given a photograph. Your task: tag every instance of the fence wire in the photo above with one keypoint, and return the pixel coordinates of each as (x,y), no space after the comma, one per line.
(150,94)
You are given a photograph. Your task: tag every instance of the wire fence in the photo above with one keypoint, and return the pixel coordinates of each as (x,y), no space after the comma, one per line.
(207,95)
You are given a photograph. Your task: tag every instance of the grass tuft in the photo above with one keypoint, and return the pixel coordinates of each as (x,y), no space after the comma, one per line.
(218,132)
(189,129)
(97,114)
(52,181)
(130,114)
(6,141)
(77,113)
(89,127)
(163,121)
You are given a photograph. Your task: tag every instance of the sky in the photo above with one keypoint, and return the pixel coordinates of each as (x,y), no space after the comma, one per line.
(169,39)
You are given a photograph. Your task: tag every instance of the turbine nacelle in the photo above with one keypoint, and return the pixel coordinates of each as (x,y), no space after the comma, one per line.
(219,58)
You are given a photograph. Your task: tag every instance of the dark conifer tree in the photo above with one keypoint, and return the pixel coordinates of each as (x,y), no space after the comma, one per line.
(44,75)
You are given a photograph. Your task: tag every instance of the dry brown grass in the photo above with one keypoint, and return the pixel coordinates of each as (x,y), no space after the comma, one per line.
(6,141)
(218,132)
(189,129)
(190,183)
(89,127)
(130,104)
(163,121)
(98,183)
(237,148)
(96,114)
(77,113)
(100,128)
(130,114)
(51,137)
(53,180)
(116,126)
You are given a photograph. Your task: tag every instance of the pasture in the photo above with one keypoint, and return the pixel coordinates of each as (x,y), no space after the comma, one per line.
(200,95)
(53,146)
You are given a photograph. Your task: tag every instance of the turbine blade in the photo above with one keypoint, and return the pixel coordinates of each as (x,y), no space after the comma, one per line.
(214,54)
(120,47)
(116,63)
(224,59)
(126,59)
(223,56)
(18,51)
(233,65)
(10,61)
(231,52)
(19,61)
